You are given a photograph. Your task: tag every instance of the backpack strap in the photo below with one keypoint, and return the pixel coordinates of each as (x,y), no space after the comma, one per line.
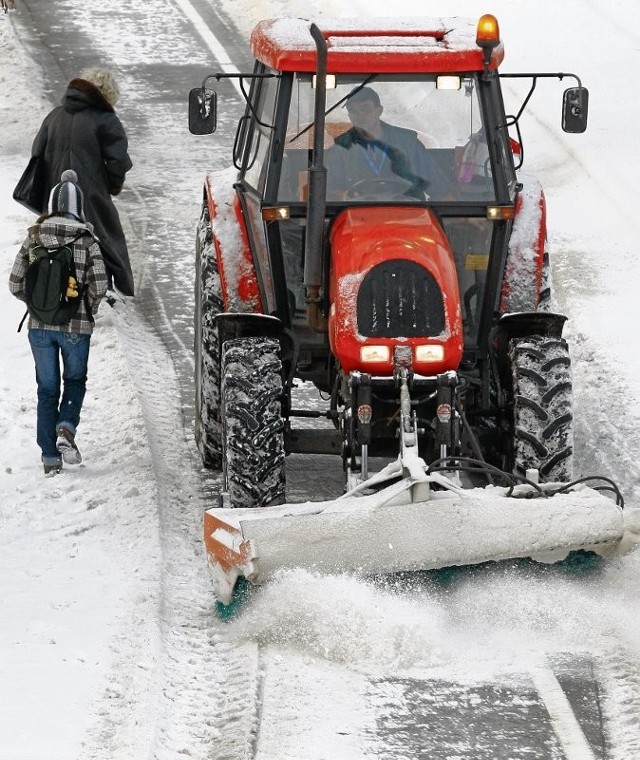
(26,314)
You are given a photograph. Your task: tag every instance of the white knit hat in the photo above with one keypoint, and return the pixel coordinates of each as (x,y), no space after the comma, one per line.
(67,197)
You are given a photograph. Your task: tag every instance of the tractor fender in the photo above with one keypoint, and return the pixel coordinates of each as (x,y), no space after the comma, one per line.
(233,325)
(238,279)
(523,273)
(521,325)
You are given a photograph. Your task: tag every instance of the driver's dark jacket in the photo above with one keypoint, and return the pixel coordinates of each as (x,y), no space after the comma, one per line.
(403,157)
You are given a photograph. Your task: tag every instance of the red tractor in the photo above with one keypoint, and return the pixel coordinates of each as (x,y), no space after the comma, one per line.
(376,240)
(351,254)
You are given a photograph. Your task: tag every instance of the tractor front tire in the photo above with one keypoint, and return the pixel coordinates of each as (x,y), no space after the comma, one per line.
(208,304)
(542,418)
(252,424)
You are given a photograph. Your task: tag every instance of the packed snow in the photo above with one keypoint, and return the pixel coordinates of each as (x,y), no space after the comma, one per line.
(109,647)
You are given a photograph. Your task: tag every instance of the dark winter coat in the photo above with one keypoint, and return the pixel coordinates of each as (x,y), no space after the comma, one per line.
(84,134)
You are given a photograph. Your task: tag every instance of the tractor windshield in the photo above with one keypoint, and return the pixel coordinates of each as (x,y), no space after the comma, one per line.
(388,139)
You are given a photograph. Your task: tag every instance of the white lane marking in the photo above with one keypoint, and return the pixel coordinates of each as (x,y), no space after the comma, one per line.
(563,719)
(211,41)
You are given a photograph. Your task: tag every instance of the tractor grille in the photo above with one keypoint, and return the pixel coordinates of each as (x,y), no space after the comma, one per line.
(400,299)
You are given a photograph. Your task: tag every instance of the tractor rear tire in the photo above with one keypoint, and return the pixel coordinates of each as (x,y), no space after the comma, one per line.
(208,304)
(252,424)
(542,419)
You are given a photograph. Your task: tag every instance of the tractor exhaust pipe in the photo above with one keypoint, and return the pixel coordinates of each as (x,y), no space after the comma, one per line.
(316,201)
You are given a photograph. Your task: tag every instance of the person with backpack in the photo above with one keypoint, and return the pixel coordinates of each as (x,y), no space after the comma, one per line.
(59,273)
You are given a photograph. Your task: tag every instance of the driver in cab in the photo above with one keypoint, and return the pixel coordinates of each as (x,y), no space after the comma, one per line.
(377,160)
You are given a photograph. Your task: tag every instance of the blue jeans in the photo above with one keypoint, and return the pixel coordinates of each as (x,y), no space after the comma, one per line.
(47,346)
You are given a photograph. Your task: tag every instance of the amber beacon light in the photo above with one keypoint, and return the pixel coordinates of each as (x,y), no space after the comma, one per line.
(487,36)
(488,32)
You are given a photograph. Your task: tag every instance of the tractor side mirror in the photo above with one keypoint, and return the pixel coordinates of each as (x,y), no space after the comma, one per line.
(202,111)
(575,107)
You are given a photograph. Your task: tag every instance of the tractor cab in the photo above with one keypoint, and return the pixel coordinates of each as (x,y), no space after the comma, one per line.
(365,116)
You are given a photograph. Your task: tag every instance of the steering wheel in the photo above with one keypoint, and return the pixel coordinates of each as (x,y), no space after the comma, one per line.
(378,188)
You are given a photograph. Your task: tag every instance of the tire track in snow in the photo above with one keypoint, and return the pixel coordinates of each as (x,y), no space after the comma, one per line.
(194,660)
(240,703)
(620,677)
(605,421)
(190,666)
(209,688)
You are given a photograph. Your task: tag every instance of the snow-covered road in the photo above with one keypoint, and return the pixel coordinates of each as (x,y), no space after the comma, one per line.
(108,644)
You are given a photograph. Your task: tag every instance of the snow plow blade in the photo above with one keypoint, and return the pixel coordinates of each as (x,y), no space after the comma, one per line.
(408,526)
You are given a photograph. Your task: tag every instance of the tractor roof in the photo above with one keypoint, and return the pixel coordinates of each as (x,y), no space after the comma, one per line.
(382,45)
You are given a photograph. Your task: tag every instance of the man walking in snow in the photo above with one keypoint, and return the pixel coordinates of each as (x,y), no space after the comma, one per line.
(57,419)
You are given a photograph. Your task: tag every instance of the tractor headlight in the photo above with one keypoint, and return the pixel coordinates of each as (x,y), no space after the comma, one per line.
(429,353)
(375,354)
